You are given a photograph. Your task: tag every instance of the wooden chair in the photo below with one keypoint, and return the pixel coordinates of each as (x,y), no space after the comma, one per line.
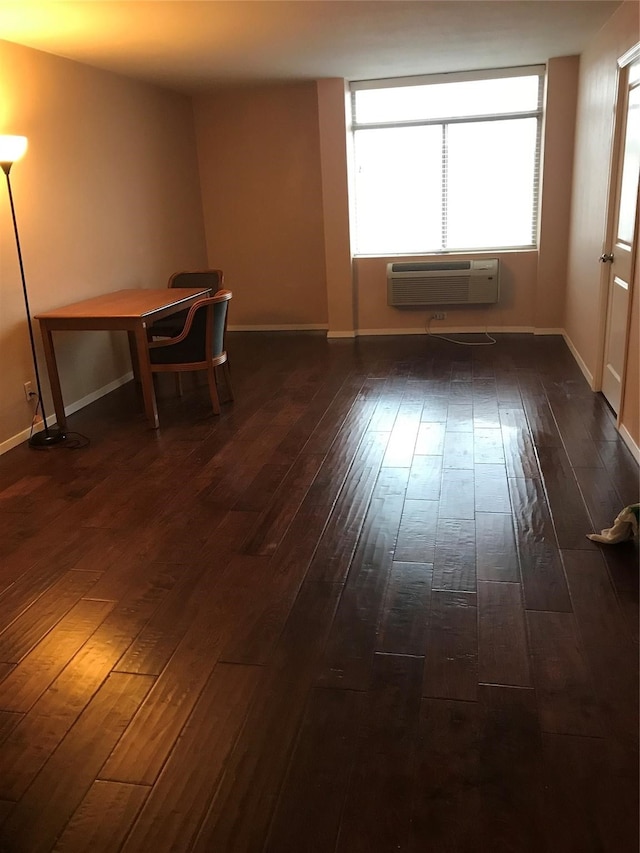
(170,327)
(199,346)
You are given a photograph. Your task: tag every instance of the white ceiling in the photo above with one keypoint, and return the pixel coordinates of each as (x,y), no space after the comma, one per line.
(193,46)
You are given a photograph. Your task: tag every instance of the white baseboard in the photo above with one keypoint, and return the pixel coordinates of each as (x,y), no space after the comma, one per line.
(101,392)
(282,327)
(420,330)
(361,333)
(583,367)
(336,335)
(15,440)
(447,330)
(624,432)
(628,440)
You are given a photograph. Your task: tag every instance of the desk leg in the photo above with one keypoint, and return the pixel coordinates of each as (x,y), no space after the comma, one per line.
(54,377)
(146,377)
(133,349)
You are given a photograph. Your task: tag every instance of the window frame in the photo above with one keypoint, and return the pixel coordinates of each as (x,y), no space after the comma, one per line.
(444,122)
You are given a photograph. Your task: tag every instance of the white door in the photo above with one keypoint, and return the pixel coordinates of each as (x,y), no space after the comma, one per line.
(620,257)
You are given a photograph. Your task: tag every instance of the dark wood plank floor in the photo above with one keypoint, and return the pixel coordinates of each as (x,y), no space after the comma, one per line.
(356,612)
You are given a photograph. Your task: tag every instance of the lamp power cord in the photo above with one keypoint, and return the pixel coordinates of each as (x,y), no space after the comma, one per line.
(490,342)
(71,441)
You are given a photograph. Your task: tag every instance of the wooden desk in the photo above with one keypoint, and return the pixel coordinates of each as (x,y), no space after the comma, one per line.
(131,311)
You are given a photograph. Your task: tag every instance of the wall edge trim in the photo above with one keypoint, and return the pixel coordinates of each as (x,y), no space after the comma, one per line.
(19,437)
(279,327)
(628,440)
(101,392)
(447,330)
(579,361)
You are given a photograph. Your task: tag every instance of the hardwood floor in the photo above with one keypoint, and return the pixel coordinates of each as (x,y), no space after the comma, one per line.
(356,612)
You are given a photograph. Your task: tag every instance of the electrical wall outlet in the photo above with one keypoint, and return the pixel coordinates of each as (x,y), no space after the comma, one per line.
(439,315)
(28,392)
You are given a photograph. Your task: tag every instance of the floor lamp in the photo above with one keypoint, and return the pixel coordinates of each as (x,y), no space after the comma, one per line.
(11,149)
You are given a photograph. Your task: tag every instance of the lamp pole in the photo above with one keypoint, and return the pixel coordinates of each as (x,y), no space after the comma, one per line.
(49,436)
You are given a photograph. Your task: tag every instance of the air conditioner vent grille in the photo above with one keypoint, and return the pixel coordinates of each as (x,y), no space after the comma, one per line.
(443,283)
(433,291)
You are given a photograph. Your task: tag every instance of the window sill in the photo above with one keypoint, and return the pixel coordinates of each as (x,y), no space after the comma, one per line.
(470,253)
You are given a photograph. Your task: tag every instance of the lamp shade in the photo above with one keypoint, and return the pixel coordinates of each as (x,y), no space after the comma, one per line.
(12,148)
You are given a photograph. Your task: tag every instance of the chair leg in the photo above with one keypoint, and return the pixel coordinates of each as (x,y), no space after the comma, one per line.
(227,378)
(213,389)
(179,384)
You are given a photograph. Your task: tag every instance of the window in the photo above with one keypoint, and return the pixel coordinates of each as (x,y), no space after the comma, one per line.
(448,162)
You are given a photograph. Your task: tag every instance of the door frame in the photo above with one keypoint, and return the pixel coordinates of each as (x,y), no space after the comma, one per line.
(619,127)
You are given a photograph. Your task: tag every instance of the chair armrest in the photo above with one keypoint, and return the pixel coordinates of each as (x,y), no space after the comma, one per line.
(220,296)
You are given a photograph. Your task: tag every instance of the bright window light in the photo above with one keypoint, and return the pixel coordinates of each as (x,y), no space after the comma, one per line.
(490,197)
(444,100)
(398,207)
(447,166)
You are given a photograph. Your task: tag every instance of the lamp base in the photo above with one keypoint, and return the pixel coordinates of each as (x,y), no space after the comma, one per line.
(47,438)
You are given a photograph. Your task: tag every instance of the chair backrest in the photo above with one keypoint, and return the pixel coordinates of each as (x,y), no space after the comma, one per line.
(198,278)
(220,303)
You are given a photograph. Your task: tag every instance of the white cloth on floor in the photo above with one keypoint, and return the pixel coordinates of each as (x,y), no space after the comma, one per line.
(625,526)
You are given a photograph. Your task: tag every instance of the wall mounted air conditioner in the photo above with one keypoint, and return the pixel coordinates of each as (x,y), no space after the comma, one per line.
(443,283)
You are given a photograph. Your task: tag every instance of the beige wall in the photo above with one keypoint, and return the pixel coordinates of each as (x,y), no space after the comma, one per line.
(332,112)
(107,197)
(262,198)
(555,200)
(585,299)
